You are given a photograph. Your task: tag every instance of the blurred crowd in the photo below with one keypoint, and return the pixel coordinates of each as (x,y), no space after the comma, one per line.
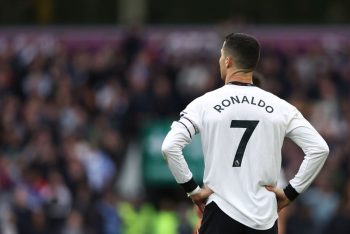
(67,117)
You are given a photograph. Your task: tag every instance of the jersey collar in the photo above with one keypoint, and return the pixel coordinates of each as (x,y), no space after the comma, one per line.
(240,83)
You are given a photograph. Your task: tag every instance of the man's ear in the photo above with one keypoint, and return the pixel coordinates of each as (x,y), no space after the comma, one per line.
(228,61)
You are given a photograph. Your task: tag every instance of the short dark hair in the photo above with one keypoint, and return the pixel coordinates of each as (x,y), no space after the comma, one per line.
(244,49)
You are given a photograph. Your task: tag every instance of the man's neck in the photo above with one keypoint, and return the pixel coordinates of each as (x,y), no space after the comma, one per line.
(241,76)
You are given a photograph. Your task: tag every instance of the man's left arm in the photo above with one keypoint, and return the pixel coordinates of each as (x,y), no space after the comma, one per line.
(178,137)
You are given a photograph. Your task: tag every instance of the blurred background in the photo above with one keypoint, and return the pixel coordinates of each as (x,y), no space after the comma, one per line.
(88,90)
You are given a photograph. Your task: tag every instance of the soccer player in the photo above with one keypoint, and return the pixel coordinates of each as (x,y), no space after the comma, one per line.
(242,129)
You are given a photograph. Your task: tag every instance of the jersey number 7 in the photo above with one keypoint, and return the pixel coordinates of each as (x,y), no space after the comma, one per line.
(250,126)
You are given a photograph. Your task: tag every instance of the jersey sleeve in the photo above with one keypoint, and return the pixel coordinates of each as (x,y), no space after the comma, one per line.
(178,137)
(191,117)
(316,150)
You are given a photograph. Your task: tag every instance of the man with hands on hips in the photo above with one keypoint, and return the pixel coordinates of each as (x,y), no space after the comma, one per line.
(242,129)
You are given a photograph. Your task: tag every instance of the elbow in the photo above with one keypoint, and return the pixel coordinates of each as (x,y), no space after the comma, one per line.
(166,149)
(170,149)
(324,150)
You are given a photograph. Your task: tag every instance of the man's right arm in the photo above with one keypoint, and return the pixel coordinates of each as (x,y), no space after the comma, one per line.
(316,151)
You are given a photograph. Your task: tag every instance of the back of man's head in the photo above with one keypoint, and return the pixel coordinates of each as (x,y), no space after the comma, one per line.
(244,50)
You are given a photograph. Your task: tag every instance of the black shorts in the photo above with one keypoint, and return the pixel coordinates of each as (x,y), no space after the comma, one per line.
(215,221)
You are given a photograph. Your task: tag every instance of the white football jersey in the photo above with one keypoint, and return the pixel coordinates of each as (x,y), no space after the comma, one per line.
(242,129)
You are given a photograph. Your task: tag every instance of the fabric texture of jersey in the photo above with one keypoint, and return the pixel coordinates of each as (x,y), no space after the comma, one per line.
(242,129)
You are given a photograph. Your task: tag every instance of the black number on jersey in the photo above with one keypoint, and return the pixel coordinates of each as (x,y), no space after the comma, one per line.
(250,126)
